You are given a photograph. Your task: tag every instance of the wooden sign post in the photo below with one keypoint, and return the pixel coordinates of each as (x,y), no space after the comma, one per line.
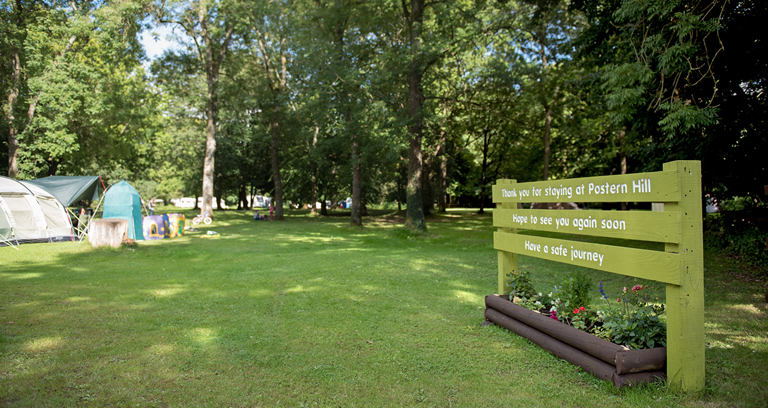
(679,227)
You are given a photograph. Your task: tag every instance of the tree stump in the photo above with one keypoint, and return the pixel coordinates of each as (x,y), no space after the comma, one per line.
(110,232)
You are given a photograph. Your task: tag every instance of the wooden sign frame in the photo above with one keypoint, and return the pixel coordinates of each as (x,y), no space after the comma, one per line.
(679,227)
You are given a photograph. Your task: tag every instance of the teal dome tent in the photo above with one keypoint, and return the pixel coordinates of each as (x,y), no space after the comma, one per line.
(124,202)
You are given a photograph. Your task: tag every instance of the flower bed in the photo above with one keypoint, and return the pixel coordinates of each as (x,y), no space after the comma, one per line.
(597,356)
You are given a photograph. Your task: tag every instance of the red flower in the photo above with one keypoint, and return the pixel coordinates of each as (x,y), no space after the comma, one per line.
(636,288)
(618,300)
(576,311)
(581,308)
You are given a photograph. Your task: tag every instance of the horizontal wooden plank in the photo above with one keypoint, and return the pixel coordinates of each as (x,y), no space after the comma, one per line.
(640,263)
(657,187)
(640,225)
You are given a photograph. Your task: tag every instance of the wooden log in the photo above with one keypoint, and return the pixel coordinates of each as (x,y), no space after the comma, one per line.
(109,232)
(592,365)
(623,380)
(590,344)
(635,361)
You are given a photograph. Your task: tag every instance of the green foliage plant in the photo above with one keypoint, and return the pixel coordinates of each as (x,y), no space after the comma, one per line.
(583,318)
(737,229)
(633,319)
(520,286)
(574,291)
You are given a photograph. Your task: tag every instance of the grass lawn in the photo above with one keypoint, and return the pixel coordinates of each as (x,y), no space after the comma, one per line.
(311,312)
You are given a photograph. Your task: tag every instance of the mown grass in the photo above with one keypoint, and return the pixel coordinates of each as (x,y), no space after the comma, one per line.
(311,312)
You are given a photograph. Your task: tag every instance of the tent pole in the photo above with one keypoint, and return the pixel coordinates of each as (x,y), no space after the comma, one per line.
(80,231)
(88,223)
(8,242)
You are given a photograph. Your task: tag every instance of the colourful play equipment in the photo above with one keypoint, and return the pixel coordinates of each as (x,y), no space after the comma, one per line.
(175,225)
(155,227)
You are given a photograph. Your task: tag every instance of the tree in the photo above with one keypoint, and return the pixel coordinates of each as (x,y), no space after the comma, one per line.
(268,52)
(547,27)
(67,65)
(209,26)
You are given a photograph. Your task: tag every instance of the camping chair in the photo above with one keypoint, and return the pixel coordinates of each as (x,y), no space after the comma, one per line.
(83,224)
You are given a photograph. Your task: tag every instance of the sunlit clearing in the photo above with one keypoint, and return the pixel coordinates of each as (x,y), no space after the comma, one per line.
(43,344)
(204,335)
(168,291)
(460,284)
(19,276)
(309,240)
(746,308)
(28,305)
(720,344)
(300,288)
(163,349)
(261,293)
(466,296)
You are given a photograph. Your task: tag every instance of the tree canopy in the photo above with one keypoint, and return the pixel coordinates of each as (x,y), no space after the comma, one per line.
(416,103)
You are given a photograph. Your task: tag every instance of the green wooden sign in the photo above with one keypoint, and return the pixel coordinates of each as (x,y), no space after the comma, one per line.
(640,263)
(679,227)
(638,225)
(655,187)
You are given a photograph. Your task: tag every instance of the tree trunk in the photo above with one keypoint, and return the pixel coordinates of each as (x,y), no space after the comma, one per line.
(414,202)
(427,192)
(442,184)
(399,190)
(211,63)
(549,108)
(484,169)
(277,78)
(313,173)
(218,188)
(210,146)
(13,131)
(274,152)
(623,156)
(442,170)
(547,130)
(323,207)
(242,200)
(53,167)
(357,180)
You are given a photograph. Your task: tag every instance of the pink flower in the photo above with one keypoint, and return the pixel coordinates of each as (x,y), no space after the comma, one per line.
(553,315)
(636,288)
(625,289)
(618,300)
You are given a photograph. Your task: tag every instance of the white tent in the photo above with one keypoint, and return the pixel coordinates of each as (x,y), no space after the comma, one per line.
(28,213)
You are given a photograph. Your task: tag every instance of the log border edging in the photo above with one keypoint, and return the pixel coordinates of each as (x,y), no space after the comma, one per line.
(624,367)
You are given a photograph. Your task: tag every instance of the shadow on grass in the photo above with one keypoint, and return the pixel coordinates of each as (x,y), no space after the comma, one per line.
(266,308)
(262,295)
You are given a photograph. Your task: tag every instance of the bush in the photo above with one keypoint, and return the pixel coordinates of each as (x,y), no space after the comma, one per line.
(633,320)
(639,329)
(574,291)
(520,285)
(738,234)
